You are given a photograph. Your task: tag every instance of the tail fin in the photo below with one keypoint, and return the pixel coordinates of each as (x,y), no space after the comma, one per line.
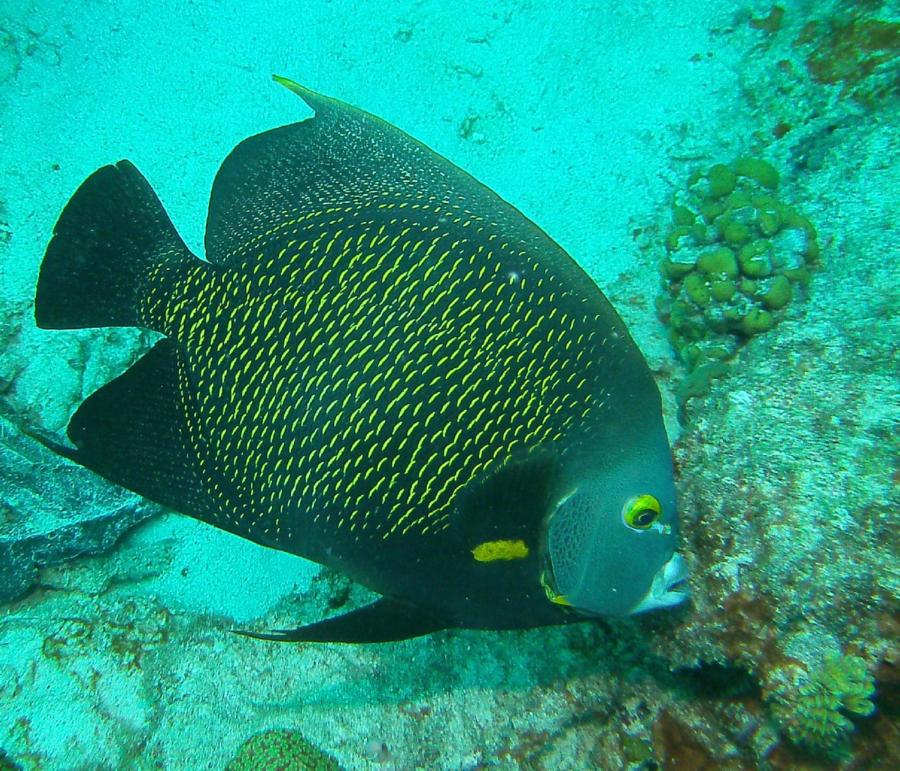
(108,239)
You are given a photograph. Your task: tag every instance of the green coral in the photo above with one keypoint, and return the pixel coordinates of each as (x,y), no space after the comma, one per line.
(759,170)
(697,383)
(737,255)
(778,293)
(7,763)
(756,321)
(281,750)
(721,180)
(719,261)
(813,712)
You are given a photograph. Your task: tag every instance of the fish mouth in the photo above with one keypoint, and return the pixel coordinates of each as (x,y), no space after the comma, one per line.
(669,587)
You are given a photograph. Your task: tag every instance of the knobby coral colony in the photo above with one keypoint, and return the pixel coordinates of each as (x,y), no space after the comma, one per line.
(736,256)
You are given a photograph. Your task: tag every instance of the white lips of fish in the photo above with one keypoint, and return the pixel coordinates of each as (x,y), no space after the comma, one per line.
(668,587)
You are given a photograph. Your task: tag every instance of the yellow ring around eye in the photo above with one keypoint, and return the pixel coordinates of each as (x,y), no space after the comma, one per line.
(641,512)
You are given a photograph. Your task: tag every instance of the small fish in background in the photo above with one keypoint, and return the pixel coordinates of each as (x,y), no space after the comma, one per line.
(380,366)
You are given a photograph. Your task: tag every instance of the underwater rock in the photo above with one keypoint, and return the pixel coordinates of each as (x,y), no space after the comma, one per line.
(52,511)
(789,495)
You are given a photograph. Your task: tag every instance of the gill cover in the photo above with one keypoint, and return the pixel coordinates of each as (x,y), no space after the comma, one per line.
(611,539)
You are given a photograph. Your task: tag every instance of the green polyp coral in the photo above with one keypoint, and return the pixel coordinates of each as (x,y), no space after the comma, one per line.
(813,710)
(737,256)
(683,217)
(721,181)
(759,170)
(696,289)
(756,321)
(756,259)
(697,383)
(722,290)
(778,293)
(717,262)
(281,750)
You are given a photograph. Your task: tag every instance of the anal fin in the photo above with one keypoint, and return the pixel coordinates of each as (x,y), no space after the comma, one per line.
(133,432)
(384,620)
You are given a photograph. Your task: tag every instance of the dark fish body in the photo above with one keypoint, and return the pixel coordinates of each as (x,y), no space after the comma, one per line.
(381,366)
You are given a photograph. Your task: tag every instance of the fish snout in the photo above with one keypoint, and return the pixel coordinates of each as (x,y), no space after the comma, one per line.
(669,586)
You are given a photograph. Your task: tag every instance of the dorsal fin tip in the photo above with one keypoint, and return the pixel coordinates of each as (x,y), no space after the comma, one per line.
(307,95)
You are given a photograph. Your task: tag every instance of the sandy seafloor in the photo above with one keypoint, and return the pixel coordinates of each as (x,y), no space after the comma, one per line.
(586,116)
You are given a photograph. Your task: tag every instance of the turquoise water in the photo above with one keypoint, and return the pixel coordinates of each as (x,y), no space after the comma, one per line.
(116,648)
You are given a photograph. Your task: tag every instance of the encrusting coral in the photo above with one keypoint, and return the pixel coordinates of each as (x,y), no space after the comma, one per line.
(281,750)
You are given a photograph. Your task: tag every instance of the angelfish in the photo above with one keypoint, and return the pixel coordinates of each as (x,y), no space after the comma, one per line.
(383,367)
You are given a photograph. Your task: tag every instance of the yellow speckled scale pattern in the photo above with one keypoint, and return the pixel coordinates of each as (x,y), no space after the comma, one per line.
(355,367)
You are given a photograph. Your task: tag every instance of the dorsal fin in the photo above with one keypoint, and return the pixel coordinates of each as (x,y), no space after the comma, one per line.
(344,157)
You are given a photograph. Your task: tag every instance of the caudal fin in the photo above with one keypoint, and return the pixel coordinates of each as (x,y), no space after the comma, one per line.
(105,246)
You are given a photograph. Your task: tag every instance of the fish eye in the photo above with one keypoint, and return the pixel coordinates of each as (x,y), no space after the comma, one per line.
(641,512)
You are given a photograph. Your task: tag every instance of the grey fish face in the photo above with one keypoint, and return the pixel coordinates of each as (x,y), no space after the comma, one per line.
(611,538)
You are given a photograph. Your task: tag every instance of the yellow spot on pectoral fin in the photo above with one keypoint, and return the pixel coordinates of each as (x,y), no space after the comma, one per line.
(491,551)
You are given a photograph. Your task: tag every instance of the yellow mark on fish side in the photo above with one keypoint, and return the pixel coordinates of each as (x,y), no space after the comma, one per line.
(492,551)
